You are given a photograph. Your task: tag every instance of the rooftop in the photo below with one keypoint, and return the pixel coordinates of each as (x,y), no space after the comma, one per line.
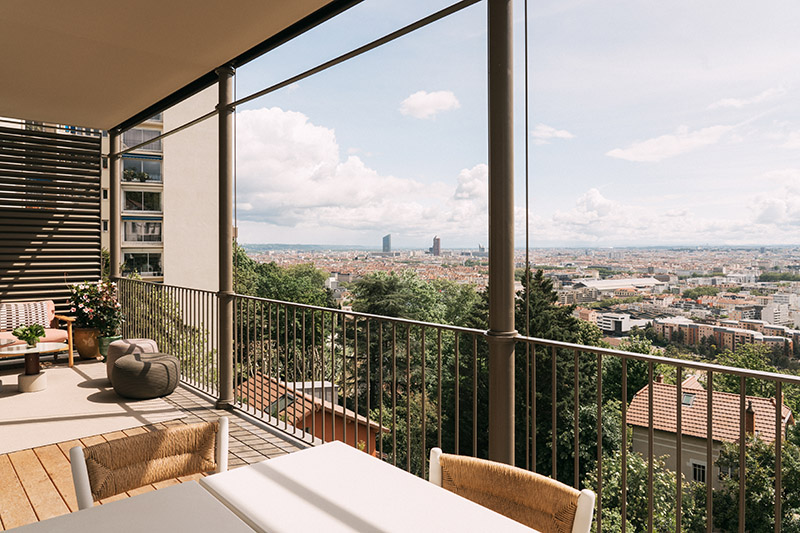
(726,408)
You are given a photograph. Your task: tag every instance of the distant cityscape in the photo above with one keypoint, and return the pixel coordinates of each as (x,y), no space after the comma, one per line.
(724,295)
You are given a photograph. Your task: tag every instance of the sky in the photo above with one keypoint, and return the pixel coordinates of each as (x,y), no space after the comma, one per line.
(649,123)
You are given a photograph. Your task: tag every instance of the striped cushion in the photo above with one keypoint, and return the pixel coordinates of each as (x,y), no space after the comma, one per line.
(13,315)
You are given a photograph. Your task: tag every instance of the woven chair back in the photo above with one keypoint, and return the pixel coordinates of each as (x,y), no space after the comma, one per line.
(537,501)
(124,464)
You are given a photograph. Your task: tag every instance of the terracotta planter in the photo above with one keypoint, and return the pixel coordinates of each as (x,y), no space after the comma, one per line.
(86,342)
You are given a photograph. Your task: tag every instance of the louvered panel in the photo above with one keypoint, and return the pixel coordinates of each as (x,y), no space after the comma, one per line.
(49,214)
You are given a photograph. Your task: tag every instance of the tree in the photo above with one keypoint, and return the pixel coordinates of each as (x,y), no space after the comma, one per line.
(759,487)
(551,321)
(664,488)
(637,370)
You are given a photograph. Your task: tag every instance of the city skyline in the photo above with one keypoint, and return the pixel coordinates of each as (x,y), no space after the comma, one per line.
(662,125)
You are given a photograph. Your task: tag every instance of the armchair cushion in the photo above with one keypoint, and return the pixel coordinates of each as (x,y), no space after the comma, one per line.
(13,315)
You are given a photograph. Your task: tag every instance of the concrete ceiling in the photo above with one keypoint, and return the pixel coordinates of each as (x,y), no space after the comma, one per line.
(96,63)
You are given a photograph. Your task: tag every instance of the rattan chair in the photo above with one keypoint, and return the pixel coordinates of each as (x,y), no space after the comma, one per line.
(532,499)
(124,464)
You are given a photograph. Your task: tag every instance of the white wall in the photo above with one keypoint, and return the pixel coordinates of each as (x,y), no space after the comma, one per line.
(190,195)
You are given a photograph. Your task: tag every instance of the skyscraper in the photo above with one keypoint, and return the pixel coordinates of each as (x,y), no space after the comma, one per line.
(387,243)
(436,249)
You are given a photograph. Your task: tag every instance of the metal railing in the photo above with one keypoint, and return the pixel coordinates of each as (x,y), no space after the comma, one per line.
(395,388)
(182,321)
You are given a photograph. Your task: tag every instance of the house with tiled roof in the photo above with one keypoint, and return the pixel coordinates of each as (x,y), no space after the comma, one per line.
(312,413)
(725,424)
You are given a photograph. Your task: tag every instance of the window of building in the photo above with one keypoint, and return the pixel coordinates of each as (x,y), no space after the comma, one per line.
(105,225)
(137,136)
(156,118)
(145,264)
(699,472)
(105,194)
(142,230)
(688,398)
(141,169)
(726,471)
(280,405)
(142,201)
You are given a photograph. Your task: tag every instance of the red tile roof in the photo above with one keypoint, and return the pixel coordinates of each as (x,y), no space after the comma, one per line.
(725,412)
(261,391)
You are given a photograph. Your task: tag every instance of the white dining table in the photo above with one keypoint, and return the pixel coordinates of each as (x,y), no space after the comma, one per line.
(185,507)
(336,488)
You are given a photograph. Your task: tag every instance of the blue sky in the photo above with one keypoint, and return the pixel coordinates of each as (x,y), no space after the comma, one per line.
(650,124)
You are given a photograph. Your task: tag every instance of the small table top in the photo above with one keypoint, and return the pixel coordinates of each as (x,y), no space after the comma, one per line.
(336,488)
(40,348)
(184,507)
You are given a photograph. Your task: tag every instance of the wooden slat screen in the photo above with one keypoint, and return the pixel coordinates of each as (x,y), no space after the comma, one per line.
(49,214)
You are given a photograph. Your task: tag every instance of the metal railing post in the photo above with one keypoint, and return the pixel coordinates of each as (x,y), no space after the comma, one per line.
(115,165)
(501,232)
(226,294)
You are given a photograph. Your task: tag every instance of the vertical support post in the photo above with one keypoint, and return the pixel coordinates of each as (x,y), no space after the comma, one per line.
(226,199)
(115,174)
(501,232)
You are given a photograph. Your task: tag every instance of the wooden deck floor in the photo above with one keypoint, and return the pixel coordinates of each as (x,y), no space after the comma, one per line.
(36,484)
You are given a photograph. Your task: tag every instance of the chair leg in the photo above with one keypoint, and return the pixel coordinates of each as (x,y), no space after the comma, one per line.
(69,342)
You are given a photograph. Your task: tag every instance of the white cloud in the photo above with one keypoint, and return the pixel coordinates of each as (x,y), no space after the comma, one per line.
(542,133)
(670,145)
(738,103)
(292,183)
(423,104)
(792,141)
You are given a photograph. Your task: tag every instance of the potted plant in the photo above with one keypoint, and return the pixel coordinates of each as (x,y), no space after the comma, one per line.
(98,316)
(108,315)
(30,334)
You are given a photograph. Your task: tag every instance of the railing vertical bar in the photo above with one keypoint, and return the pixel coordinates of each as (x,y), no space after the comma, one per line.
(742,451)
(247,325)
(380,390)
(313,353)
(553,414)
(709,450)
(355,381)
(527,405)
(624,466)
(285,371)
(778,454)
(294,366)
(333,371)
(650,446)
(533,408)
(474,395)
(344,377)
(423,394)
(439,387)
(679,450)
(457,393)
(270,362)
(304,372)
(408,398)
(367,382)
(263,403)
(576,449)
(322,372)
(394,394)
(599,442)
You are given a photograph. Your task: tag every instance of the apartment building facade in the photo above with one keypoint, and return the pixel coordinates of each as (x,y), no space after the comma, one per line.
(168,198)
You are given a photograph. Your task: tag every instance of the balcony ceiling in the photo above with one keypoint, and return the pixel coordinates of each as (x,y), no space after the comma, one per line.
(97,63)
